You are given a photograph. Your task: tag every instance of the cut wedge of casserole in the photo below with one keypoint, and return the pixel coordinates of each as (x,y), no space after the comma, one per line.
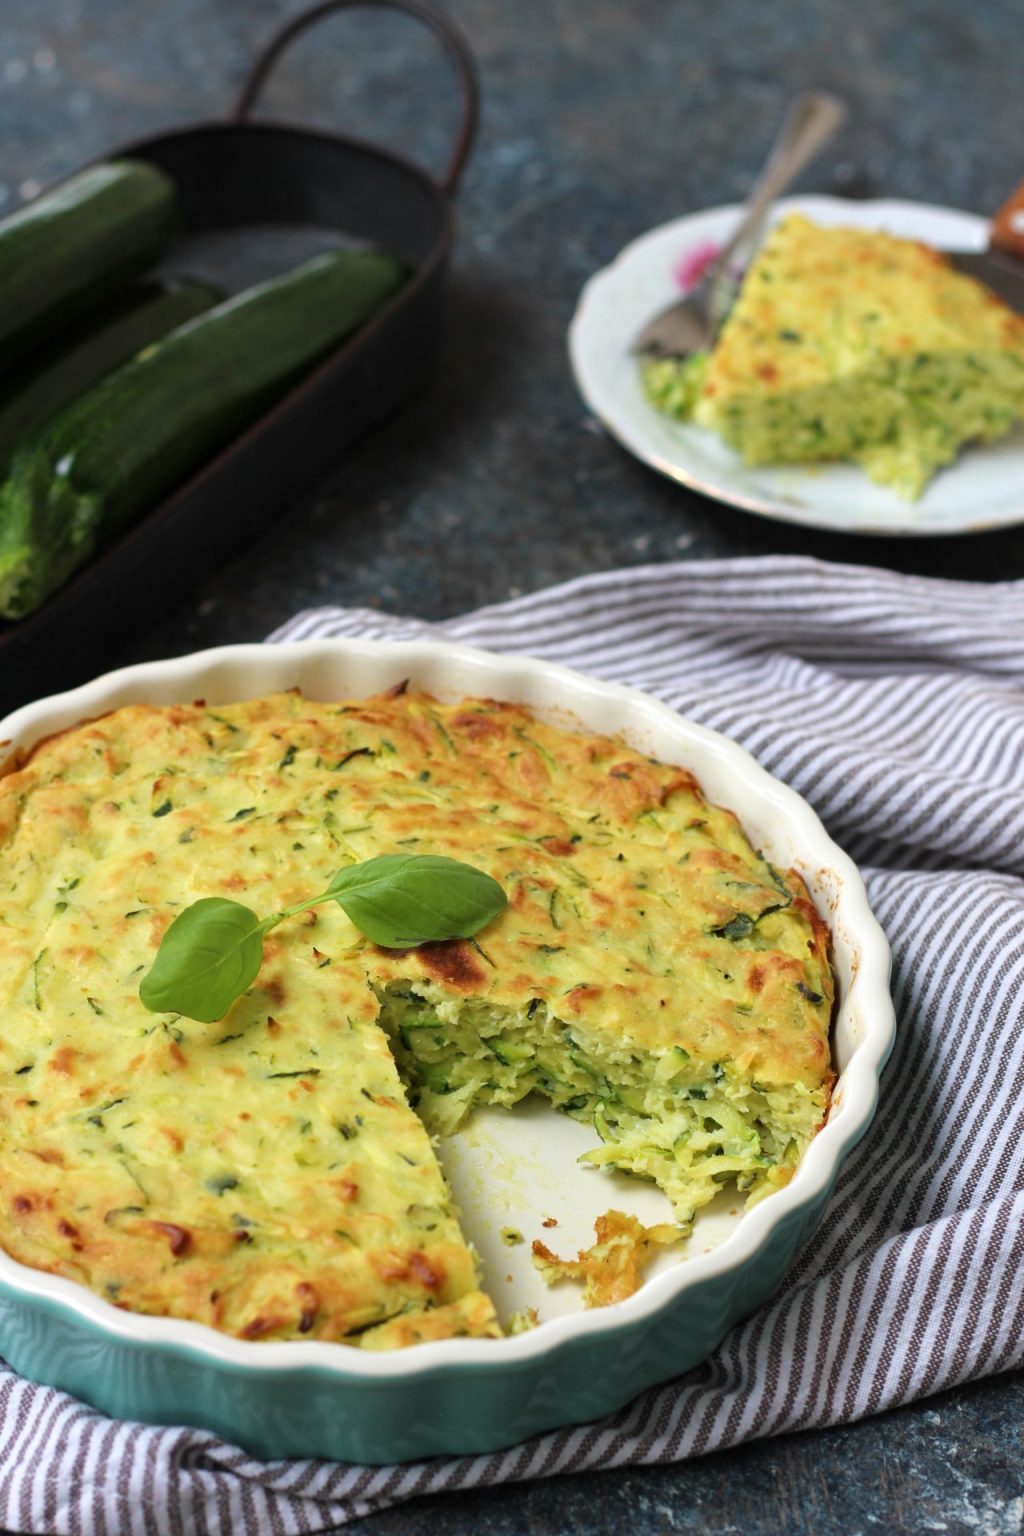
(853,344)
(273,1174)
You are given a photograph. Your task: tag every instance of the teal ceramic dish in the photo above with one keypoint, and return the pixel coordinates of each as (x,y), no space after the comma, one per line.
(469,1395)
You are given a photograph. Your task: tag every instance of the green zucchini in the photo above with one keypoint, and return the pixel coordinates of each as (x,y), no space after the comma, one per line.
(74,247)
(121,446)
(52,378)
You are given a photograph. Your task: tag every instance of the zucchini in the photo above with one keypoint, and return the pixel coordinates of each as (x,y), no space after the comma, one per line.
(74,247)
(52,378)
(124,444)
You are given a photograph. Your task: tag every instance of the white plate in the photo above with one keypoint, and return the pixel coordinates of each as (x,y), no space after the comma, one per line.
(983,489)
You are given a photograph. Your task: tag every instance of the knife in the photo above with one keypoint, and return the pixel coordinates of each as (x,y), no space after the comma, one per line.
(1001,266)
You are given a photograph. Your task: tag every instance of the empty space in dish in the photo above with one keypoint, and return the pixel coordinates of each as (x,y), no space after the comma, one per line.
(238,257)
(257,201)
(516,1168)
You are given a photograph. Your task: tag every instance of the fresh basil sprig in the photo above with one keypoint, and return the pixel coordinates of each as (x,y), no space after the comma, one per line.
(213,950)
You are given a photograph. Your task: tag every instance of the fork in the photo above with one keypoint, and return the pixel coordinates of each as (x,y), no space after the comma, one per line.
(692,323)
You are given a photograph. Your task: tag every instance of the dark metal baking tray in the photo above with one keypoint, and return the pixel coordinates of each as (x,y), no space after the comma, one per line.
(257,197)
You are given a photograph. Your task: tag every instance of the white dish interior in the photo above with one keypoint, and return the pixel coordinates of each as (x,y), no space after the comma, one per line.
(983,489)
(514,1168)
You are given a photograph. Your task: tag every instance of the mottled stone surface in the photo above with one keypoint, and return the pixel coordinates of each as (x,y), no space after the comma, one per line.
(601,119)
(952,1465)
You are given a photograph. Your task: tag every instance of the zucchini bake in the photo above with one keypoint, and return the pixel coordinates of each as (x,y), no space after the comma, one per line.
(274,1174)
(852,344)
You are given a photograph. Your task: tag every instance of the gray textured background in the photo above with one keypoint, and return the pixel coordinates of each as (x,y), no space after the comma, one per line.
(602,117)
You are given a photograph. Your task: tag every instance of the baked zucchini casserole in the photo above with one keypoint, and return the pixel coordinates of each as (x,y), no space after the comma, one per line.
(275,1174)
(853,344)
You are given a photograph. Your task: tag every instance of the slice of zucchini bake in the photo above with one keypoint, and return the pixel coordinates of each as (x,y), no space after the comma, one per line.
(273,1174)
(853,344)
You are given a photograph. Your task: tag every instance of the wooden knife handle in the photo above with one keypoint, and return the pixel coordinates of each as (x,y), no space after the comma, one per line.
(1008,226)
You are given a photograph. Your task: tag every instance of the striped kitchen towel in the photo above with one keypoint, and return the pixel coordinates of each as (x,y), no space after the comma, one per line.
(896,706)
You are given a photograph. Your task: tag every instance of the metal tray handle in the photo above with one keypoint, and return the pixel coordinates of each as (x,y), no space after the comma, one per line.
(444,30)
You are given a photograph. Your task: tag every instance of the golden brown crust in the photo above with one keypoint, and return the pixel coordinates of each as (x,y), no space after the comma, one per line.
(840,298)
(611,1269)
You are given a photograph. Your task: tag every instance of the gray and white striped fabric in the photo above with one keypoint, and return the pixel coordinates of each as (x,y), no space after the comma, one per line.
(896,706)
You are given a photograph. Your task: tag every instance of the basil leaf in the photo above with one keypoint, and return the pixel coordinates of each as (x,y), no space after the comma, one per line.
(402,899)
(209,955)
(213,950)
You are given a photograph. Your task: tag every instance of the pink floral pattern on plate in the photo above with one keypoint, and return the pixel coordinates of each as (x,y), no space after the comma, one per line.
(693,263)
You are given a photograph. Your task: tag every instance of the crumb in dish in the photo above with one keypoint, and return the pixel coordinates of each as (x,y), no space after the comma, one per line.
(612,1267)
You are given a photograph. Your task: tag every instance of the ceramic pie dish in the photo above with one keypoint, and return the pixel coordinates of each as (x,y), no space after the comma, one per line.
(470,1395)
